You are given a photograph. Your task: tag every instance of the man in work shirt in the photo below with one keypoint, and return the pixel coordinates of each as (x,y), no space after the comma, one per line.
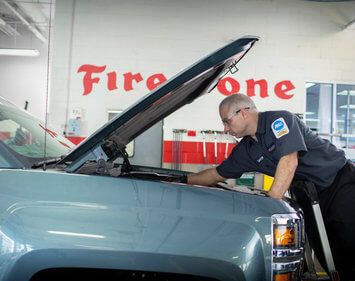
(279,144)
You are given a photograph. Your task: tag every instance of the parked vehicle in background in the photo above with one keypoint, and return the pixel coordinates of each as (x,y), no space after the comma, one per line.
(92,215)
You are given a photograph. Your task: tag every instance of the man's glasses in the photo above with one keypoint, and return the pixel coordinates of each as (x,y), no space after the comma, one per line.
(228,121)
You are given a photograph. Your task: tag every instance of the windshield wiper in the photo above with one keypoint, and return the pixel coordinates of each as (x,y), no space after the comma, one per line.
(46,162)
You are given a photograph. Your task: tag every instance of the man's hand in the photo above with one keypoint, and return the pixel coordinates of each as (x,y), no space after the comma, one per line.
(285,172)
(209,177)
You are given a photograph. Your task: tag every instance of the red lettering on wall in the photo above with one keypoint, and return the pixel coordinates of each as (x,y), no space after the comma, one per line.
(155,80)
(226,86)
(129,78)
(111,81)
(251,83)
(88,81)
(222,86)
(282,87)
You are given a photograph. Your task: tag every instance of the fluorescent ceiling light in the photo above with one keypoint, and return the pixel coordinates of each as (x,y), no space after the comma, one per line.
(19,52)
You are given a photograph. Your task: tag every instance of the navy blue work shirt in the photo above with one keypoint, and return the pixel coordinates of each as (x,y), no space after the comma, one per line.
(280,133)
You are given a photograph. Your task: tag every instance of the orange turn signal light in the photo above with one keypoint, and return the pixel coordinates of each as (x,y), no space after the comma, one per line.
(287,276)
(284,236)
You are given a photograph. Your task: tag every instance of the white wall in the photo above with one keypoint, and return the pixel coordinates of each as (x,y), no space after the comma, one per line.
(24,78)
(300,41)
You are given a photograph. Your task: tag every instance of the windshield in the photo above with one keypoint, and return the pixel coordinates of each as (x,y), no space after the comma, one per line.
(25,135)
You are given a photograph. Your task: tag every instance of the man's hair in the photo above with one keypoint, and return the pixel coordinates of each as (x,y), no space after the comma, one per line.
(237,101)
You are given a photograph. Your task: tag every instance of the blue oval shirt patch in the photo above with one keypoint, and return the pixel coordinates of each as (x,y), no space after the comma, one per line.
(278,125)
(279,128)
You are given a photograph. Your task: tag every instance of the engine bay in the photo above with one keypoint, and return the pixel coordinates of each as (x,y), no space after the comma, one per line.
(105,168)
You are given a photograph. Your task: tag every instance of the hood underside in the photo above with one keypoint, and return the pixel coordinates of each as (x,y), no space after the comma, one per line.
(178,91)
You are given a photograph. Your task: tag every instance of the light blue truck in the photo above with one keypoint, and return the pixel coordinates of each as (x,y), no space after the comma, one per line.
(86,213)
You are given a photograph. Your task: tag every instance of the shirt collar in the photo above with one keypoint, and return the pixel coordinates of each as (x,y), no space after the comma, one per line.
(261,123)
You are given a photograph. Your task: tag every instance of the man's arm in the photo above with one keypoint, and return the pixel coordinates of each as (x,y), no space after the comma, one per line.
(209,177)
(285,172)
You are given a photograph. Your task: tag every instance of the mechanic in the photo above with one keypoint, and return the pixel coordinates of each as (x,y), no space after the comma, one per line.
(279,144)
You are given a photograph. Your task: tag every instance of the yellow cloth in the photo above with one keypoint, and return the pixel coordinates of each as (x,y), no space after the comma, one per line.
(267,182)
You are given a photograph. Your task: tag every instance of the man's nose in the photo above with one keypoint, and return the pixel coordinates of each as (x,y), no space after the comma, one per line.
(226,128)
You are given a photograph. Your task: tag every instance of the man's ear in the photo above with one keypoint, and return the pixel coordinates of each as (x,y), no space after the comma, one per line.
(245,113)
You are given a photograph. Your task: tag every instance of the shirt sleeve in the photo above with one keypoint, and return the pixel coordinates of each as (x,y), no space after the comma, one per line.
(286,128)
(231,168)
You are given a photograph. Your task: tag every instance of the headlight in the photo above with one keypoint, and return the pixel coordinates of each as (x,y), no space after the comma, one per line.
(287,247)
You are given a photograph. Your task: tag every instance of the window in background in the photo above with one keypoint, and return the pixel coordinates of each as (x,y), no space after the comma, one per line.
(345,115)
(319,103)
(330,111)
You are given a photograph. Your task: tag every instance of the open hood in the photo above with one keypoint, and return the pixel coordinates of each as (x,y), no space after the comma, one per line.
(198,79)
